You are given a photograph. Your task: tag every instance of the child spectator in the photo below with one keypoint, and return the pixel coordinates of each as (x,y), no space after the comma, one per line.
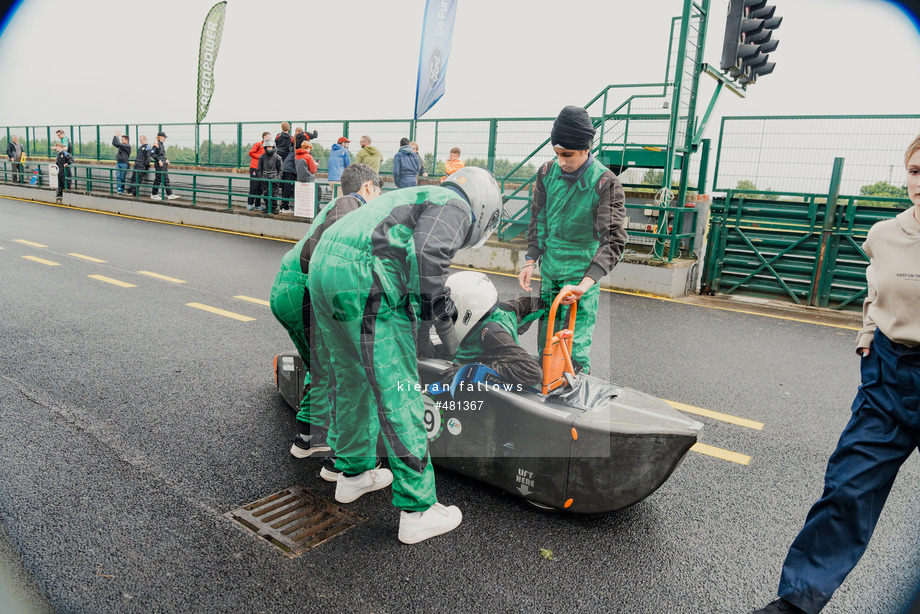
(305,164)
(64,159)
(141,164)
(120,142)
(270,169)
(284,142)
(454,163)
(68,145)
(301,135)
(255,186)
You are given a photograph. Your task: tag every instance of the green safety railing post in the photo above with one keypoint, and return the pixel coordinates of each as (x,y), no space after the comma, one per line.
(434,170)
(98,143)
(239,144)
(194,189)
(48,129)
(704,166)
(493,130)
(412,130)
(824,266)
(229,193)
(345,129)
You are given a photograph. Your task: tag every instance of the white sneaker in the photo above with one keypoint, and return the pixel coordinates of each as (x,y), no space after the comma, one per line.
(349,489)
(419,526)
(156,197)
(173,197)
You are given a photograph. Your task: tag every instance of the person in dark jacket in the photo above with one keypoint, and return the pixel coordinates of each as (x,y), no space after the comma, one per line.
(121,143)
(288,176)
(158,155)
(67,142)
(301,135)
(141,164)
(64,159)
(14,153)
(406,165)
(284,142)
(255,184)
(270,168)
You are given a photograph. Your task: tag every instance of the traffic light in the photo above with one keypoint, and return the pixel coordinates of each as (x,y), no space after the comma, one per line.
(748,40)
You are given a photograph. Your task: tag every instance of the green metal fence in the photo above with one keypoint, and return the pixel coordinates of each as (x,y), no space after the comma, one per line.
(804,248)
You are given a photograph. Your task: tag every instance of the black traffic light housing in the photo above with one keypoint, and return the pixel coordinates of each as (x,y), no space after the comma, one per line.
(748,40)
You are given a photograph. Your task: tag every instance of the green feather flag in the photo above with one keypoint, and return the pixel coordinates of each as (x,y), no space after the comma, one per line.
(211,32)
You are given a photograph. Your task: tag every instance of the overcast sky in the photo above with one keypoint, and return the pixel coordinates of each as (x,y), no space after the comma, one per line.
(95,61)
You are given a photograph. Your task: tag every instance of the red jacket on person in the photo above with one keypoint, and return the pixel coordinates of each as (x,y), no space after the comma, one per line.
(303,154)
(255,152)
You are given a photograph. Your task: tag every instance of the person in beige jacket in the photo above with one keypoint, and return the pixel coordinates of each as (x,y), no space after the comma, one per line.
(884,429)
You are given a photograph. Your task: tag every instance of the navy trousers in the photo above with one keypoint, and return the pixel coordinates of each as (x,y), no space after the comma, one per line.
(882,433)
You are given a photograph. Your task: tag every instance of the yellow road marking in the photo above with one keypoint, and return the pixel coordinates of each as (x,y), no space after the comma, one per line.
(109,280)
(42,261)
(163,277)
(702,448)
(257,301)
(751,424)
(221,312)
(24,242)
(90,258)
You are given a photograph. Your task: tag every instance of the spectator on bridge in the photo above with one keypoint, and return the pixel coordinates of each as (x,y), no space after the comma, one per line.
(160,164)
(305,164)
(255,184)
(121,143)
(288,176)
(291,306)
(67,142)
(141,164)
(369,154)
(406,165)
(576,227)
(14,153)
(884,429)
(284,142)
(301,135)
(421,163)
(64,159)
(270,168)
(339,159)
(453,163)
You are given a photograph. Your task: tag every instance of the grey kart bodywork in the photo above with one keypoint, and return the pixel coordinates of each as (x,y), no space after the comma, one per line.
(595,448)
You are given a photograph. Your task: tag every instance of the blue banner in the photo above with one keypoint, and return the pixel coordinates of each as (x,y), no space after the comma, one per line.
(437,31)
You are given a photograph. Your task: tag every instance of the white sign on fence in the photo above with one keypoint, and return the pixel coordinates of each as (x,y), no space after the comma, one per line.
(305,199)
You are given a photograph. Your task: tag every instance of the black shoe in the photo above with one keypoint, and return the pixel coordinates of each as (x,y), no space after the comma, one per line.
(331,474)
(780,606)
(308,445)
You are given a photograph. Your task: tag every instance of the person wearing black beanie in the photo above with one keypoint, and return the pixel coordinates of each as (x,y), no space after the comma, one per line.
(576,231)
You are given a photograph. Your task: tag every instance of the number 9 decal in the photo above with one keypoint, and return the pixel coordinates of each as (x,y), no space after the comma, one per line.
(432,418)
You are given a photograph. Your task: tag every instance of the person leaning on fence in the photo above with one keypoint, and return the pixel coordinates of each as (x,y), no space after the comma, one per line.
(576,227)
(270,168)
(63,160)
(884,429)
(284,142)
(14,153)
(121,143)
(255,184)
(141,165)
(291,306)
(160,164)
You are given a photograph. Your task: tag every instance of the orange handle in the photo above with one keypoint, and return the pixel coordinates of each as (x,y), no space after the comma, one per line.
(552,317)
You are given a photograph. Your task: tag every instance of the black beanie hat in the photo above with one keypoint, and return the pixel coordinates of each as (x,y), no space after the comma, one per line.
(572,129)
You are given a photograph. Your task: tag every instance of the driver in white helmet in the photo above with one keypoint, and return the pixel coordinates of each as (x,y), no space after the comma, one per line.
(489,329)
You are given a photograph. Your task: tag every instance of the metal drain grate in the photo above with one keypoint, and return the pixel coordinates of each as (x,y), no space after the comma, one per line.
(295,519)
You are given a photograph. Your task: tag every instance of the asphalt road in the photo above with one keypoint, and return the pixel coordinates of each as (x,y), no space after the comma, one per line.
(130,423)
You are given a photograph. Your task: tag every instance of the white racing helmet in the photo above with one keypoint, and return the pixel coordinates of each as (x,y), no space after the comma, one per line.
(474,296)
(481,189)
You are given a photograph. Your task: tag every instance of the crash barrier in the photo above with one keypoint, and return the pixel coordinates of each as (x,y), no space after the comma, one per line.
(797,247)
(230,189)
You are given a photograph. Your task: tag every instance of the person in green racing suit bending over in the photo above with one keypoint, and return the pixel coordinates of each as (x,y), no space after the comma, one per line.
(290,304)
(377,282)
(576,228)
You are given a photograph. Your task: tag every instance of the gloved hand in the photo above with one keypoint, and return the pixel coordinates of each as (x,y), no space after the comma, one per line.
(450,339)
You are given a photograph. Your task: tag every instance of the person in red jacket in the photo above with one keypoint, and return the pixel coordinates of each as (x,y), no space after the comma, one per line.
(305,164)
(255,186)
